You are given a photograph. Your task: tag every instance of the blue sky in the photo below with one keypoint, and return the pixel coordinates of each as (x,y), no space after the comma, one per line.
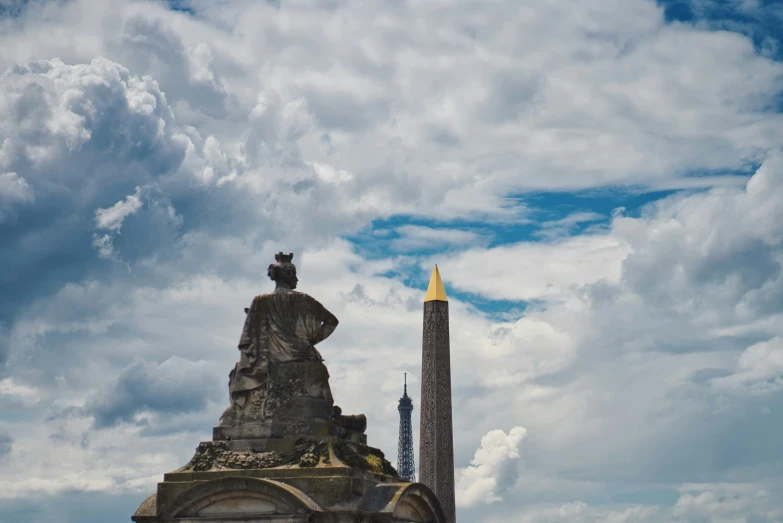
(600,183)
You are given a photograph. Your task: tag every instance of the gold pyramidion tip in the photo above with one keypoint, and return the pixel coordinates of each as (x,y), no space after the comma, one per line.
(435,292)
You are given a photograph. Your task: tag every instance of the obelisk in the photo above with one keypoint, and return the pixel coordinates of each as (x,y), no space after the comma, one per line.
(436,443)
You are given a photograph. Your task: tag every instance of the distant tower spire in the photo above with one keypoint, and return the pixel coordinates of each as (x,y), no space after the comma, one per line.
(436,440)
(405,465)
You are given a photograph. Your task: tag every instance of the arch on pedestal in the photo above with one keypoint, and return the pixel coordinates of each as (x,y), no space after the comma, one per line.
(404,502)
(240,496)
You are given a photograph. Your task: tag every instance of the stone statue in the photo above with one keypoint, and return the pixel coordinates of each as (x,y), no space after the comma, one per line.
(279,368)
(283,451)
(280,327)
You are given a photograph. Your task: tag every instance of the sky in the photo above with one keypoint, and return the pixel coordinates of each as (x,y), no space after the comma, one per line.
(599,181)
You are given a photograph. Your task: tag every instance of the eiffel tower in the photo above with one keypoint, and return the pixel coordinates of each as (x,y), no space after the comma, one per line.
(405,465)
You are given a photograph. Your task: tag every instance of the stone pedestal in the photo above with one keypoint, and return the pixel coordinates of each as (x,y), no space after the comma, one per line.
(308,479)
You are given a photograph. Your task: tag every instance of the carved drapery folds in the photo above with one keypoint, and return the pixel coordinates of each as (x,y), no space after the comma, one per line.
(280,385)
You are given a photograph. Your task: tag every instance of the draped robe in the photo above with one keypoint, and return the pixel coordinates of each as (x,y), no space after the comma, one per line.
(279,327)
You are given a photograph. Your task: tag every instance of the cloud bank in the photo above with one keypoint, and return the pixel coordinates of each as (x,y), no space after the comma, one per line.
(601,185)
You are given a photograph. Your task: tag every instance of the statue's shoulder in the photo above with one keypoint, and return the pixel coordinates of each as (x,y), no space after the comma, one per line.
(262,298)
(283,295)
(286,295)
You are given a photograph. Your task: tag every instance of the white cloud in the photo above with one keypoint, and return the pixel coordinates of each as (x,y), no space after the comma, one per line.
(17,393)
(564,226)
(159,215)
(532,270)
(112,217)
(66,103)
(201,59)
(417,237)
(63,455)
(14,190)
(718,246)
(759,370)
(330,174)
(104,246)
(724,503)
(593,96)
(491,469)
(578,511)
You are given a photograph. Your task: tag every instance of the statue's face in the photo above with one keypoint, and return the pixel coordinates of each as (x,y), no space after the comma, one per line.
(287,275)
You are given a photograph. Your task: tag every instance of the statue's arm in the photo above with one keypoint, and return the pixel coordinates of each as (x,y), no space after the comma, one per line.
(330,322)
(245,339)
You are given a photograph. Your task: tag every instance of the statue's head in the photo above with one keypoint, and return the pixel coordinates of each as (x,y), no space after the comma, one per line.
(283,272)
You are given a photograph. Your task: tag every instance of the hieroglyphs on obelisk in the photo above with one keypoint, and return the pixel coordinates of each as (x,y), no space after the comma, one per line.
(436,442)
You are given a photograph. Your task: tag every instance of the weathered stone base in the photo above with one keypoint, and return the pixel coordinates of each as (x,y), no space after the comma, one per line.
(323,494)
(263,431)
(305,452)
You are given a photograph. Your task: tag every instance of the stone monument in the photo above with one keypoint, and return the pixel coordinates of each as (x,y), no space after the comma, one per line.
(436,438)
(282,451)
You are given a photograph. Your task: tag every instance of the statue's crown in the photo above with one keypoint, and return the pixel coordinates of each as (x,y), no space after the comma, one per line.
(284,258)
